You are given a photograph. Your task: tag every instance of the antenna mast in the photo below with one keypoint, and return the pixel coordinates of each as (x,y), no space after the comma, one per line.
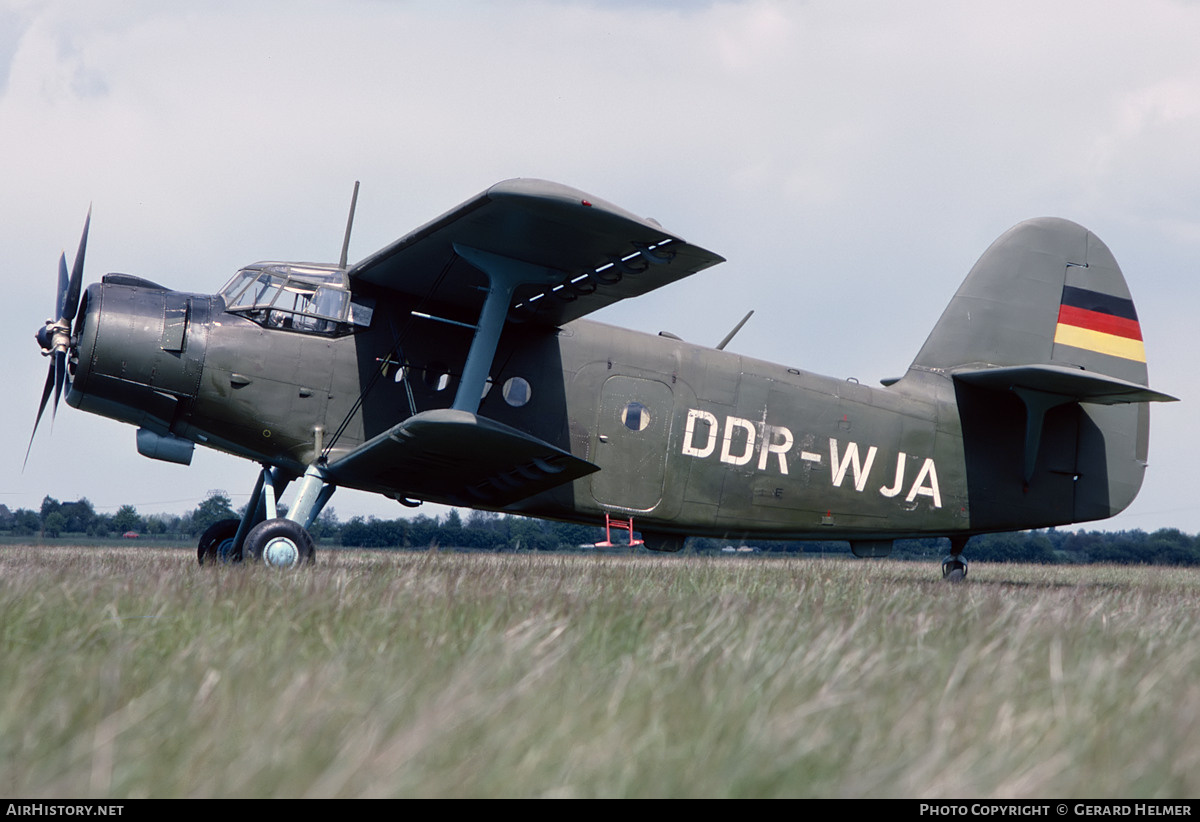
(349,225)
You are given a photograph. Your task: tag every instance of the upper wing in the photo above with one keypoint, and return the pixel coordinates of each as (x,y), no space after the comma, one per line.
(604,253)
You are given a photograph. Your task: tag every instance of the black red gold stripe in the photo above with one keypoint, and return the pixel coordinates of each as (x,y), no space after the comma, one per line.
(1099,322)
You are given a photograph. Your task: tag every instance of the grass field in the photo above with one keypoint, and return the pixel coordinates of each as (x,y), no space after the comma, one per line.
(130,672)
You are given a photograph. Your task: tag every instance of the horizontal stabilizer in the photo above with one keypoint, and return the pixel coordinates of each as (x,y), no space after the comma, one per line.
(1073,384)
(458,458)
(1044,386)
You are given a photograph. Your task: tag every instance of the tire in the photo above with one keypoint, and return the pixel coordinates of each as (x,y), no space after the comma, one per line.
(954,569)
(280,543)
(216,543)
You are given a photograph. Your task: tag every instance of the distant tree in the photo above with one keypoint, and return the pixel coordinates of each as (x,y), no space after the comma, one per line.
(326,526)
(127,519)
(101,525)
(25,522)
(422,532)
(925,548)
(450,532)
(54,524)
(81,516)
(483,520)
(156,524)
(374,533)
(77,517)
(1011,547)
(1170,546)
(216,507)
(570,534)
(530,534)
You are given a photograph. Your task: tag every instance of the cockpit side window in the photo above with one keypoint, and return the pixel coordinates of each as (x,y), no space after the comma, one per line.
(329,302)
(236,292)
(266,290)
(316,302)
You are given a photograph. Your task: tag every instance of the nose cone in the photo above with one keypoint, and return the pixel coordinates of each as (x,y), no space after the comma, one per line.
(45,337)
(140,351)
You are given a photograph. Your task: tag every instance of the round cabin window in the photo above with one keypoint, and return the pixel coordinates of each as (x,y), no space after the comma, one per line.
(635,416)
(516,391)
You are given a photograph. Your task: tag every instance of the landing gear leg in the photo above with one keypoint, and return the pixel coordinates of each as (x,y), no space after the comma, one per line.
(954,567)
(284,542)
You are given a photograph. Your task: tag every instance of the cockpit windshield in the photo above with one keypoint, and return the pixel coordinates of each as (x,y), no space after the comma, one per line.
(299,298)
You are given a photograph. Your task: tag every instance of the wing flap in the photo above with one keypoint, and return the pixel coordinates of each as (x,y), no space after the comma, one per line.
(604,253)
(457,458)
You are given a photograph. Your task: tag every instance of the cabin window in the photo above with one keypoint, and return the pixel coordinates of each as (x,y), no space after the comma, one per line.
(437,376)
(516,391)
(635,416)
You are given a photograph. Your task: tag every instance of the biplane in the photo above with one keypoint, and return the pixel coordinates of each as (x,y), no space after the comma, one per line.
(458,365)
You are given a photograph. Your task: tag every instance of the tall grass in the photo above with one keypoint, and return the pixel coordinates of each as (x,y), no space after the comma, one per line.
(131,672)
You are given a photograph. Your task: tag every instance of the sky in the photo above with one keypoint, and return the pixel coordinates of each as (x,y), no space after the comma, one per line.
(851,160)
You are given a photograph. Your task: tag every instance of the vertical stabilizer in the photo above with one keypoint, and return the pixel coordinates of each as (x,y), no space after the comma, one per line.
(1047,291)
(1044,349)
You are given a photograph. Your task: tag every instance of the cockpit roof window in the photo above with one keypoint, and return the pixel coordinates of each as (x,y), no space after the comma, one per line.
(297,297)
(312,273)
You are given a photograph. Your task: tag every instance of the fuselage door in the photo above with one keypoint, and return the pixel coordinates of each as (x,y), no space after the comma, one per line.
(632,437)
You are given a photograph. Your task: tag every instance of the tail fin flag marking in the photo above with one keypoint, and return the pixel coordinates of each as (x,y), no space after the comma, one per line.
(1099,322)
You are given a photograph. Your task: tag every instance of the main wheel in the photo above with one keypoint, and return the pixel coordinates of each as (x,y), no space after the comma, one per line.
(216,543)
(280,543)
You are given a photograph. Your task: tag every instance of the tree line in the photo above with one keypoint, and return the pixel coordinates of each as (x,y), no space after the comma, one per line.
(489,531)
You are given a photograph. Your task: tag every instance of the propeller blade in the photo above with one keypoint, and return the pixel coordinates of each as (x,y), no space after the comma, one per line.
(66,305)
(71,304)
(60,296)
(60,375)
(50,378)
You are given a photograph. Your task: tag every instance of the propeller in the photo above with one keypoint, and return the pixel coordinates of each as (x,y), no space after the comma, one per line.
(55,336)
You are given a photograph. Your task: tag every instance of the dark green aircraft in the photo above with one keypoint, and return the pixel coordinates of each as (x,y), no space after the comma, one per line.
(455,366)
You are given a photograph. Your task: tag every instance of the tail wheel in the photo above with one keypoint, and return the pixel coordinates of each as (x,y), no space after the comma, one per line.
(954,568)
(216,543)
(280,543)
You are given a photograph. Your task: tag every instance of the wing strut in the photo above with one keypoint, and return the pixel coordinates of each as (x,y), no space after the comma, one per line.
(505,275)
